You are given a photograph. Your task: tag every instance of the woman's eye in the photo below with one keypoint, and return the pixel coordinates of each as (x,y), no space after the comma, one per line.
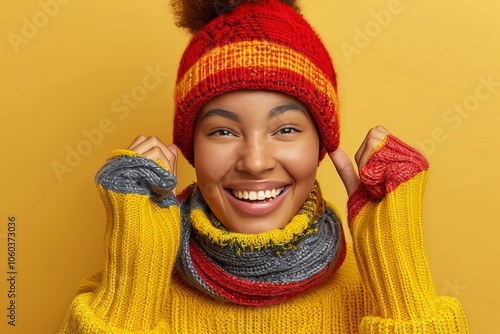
(220,132)
(288,130)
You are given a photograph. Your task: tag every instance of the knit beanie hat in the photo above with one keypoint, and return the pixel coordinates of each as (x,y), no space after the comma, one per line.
(264,45)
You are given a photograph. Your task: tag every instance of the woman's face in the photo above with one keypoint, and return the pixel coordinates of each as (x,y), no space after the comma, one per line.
(256,156)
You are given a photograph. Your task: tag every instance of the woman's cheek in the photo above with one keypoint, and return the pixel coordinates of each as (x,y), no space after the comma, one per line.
(302,157)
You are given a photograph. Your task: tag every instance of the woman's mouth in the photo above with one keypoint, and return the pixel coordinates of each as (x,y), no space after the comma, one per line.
(257,196)
(257,202)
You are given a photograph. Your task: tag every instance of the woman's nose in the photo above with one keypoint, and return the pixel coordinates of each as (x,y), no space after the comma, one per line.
(255,157)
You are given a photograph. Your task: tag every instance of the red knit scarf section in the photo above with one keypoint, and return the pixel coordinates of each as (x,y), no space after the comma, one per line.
(255,293)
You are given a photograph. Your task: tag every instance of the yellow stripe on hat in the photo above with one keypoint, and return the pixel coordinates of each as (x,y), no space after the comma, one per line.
(256,54)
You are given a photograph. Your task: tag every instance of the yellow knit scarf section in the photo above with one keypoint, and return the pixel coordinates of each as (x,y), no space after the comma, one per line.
(301,225)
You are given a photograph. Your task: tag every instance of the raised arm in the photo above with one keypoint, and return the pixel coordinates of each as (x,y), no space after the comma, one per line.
(141,242)
(385,216)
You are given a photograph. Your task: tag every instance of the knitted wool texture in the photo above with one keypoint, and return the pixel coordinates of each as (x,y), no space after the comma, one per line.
(386,289)
(264,268)
(264,46)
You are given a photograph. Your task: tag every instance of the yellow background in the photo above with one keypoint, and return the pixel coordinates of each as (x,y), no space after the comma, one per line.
(66,80)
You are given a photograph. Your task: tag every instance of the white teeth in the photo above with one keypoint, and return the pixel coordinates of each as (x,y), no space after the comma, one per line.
(257,195)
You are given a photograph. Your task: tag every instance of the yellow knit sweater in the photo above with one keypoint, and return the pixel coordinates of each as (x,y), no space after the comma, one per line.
(383,286)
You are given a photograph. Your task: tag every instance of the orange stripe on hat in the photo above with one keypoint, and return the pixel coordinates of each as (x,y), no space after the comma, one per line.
(254,54)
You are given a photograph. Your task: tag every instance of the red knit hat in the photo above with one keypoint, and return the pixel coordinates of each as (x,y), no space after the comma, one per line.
(267,46)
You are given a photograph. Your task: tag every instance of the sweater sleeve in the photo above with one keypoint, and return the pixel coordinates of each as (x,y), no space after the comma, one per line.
(385,216)
(140,244)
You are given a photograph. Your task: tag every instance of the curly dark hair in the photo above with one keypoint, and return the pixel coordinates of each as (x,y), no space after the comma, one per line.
(195,14)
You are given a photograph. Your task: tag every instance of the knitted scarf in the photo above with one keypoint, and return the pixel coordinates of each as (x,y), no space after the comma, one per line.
(264,268)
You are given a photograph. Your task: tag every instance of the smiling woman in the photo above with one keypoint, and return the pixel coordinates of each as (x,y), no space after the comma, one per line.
(253,247)
(255,144)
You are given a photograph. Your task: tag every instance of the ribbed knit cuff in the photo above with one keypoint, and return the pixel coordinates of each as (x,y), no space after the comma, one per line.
(128,172)
(448,318)
(391,163)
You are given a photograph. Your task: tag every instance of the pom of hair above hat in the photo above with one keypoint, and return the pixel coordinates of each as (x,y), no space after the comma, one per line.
(264,45)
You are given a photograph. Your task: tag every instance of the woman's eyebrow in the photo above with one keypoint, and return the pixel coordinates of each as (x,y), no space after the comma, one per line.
(276,111)
(222,113)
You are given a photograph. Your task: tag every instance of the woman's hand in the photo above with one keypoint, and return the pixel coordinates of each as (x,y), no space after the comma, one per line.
(344,165)
(151,147)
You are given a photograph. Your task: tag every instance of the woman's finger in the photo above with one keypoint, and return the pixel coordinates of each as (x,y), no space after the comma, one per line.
(136,142)
(373,138)
(173,160)
(153,148)
(345,168)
